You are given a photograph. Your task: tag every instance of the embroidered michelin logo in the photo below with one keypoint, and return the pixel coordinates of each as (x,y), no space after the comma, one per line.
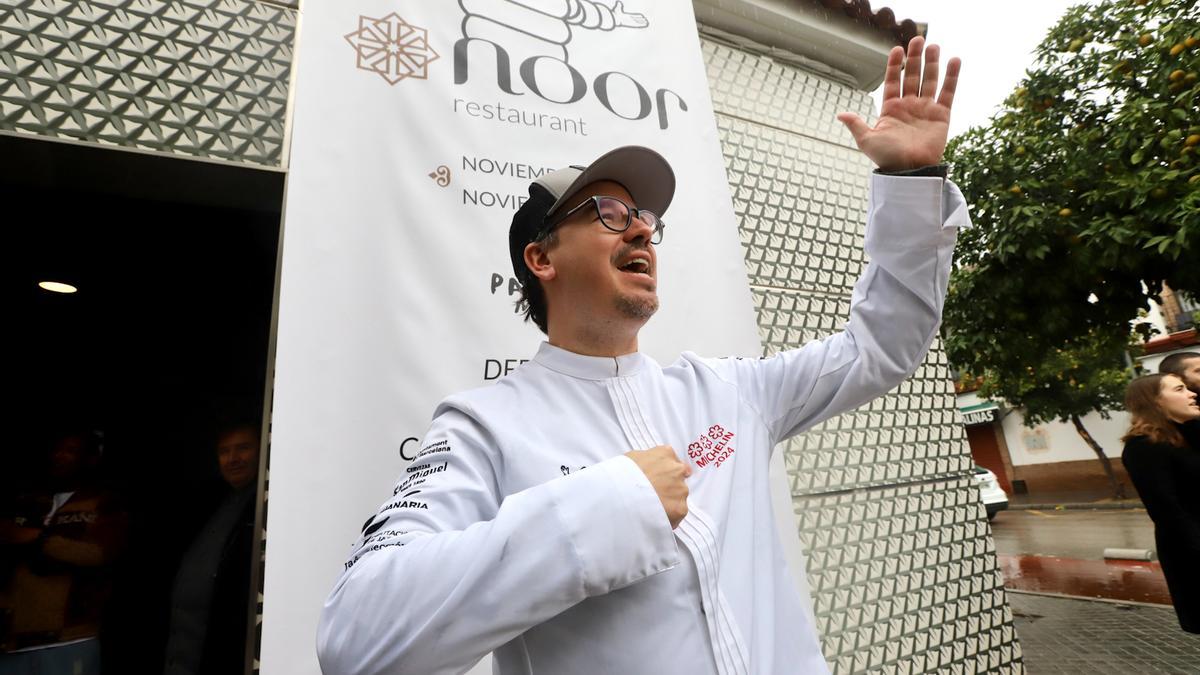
(712,447)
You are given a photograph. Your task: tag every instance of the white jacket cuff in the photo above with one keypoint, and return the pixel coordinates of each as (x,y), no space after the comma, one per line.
(616,523)
(914,212)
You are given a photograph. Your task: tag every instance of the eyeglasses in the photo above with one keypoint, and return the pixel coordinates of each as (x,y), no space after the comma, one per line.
(615,215)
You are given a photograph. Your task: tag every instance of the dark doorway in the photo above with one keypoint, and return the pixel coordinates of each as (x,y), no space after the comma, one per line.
(985,450)
(165,341)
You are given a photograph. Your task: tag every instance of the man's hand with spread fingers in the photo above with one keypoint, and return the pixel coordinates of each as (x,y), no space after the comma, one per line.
(914,123)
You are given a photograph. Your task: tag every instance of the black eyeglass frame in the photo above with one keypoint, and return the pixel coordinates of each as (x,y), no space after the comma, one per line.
(630,213)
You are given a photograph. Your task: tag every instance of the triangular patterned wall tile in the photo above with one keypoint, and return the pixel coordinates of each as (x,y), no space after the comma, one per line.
(99,70)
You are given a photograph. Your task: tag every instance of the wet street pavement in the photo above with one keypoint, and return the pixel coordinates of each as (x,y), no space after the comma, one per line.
(1093,637)
(1082,535)
(1063,552)
(1053,560)
(1112,579)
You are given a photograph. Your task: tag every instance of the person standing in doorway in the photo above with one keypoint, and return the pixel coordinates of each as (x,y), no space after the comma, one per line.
(58,545)
(210,600)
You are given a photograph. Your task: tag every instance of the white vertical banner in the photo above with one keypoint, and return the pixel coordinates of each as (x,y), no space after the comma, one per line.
(417,129)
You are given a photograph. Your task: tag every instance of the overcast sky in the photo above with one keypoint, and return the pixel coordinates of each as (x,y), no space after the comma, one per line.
(994,40)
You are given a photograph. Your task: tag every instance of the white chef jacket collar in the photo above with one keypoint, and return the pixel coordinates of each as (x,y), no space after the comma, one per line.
(589,367)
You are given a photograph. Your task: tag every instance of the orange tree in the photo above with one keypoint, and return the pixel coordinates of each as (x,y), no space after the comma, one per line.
(1085,194)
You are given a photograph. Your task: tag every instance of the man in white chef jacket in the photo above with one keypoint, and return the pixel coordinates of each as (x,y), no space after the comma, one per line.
(595,512)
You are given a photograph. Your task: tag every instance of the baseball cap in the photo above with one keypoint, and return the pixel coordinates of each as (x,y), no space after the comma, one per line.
(644,173)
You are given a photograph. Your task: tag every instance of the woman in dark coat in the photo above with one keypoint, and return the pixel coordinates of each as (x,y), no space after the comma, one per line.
(1165,469)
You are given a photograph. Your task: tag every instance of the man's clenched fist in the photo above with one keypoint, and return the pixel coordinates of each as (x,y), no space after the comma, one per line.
(666,473)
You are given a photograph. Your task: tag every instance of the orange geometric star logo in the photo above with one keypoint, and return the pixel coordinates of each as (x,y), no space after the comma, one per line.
(392,47)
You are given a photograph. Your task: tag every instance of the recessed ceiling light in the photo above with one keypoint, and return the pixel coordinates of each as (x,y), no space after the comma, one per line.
(57,287)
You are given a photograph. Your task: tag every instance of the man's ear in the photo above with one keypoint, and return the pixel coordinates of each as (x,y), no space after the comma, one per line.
(537,259)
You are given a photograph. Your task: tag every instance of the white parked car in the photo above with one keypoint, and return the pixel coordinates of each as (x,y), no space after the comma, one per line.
(995,499)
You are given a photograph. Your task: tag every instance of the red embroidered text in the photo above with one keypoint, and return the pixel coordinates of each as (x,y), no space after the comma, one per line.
(712,447)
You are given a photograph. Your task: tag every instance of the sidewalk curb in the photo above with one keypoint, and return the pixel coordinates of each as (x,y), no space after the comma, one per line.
(1085,598)
(1081,506)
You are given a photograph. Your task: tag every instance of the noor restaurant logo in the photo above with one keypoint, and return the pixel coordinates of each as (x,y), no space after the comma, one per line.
(397,50)
(393,48)
(529,41)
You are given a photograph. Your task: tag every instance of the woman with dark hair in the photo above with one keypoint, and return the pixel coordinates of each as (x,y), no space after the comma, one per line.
(1165,469)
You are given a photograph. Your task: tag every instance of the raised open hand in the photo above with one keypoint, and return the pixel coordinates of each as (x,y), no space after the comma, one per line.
(913,125)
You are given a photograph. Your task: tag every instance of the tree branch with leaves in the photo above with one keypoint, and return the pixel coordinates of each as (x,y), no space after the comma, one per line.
(1085,193)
